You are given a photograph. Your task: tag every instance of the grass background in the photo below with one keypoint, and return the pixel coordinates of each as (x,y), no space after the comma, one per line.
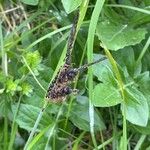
(111,110)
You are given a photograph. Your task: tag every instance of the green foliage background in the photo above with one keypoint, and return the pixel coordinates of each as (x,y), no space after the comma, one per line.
(111,110)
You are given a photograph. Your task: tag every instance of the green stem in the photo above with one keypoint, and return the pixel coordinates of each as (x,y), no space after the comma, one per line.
(121,87)
(143,51)
(108,141)
(47,36)
(140,142)
(14,126)
(5,70)
(91,33)
(33,74)
(35,125)
(132,8)
(124,127)
(5,127)
(53,127)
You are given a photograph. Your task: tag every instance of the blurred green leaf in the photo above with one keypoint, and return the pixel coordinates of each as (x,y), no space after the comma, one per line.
(2,77)
(103,71)
(71,5)
(139,112)
(106,95)
(126,59)
(117,36)
(2,90)
(41,144)
(27,116)
(30,2)
(80,117)
(27,38)
(143,81)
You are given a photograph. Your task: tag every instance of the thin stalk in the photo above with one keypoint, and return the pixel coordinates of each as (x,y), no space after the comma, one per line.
(140,142)
(143,51)
(77,141)
(5,127)
(10,10)
(71,135)
(6,19)
(5,70)
(115,112)
(47,36)
(53,127)
(25,15)
(14,126)
(90,41)
(90,64)
(102,139)
(38,136)
(124,127)
(112,123)
(4,54)
(132,8)
(108,141)
(33,74)
(121,87)
(30,31)
(35,125)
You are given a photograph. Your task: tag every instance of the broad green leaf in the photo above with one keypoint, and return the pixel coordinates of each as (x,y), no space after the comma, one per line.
(27,116)
(106,95)
(102,70)
(5,106)
(71,5)
(125,58)
(30,2)
(37,96)
(136,113)
(117,36)
(143,81)
(80,117)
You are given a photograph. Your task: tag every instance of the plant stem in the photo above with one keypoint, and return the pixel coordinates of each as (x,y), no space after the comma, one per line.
(121,87)
(90,41)
(14,126)
(35,125)
(140,142)
(33,74)
(5,70)
(124,127)
(143,51)
(53,127)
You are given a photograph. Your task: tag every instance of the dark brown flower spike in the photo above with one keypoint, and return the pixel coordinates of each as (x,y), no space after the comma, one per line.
(60,88)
